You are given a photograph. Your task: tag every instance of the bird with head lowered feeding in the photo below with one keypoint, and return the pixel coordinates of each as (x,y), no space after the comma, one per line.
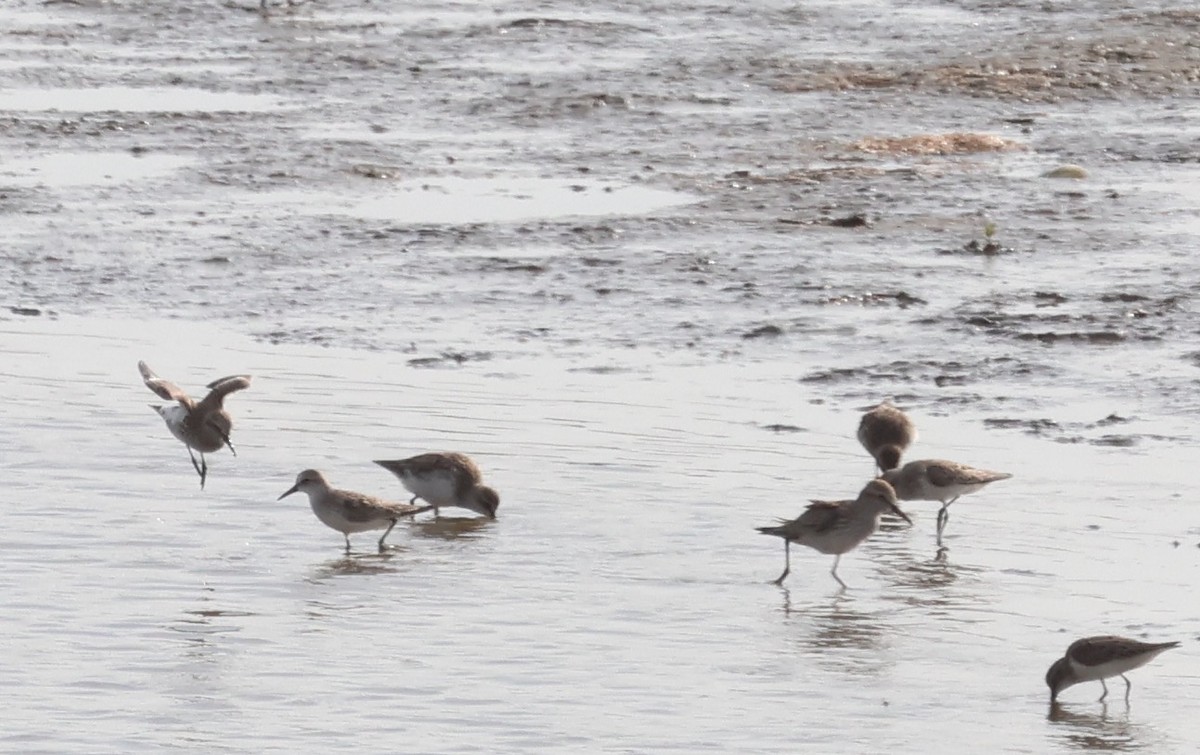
(445,479)
(1094,659)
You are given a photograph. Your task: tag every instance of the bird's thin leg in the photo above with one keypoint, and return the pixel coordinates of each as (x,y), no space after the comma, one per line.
(943,517)
(192,456)
(787,562)
(413,501)
(385,534)
(1128,686)
(833,571)
(1105,686)
(347,536)
(201,468)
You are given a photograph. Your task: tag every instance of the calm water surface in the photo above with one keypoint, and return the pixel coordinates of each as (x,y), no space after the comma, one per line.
(619,603)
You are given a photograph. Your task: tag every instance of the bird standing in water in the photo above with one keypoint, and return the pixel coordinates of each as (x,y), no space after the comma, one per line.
(349,512)
(445,479)
(939,480)
(836,527)
(1094,659)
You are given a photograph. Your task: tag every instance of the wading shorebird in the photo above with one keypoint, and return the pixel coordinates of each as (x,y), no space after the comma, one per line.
(836,527)
(203,426)
(939,480)
(445,479)
(1094,659)
(886,433)
(349,512)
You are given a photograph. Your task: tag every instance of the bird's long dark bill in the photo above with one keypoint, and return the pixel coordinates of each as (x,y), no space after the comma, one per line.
(901,514)
(290,490)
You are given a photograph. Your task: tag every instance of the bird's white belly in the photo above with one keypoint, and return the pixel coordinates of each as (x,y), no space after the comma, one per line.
(175,416)
(437,489)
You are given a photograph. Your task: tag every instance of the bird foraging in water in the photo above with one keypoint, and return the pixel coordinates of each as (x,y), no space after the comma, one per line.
(349,512)
(836,527)
(445,479)
(1095,659)
(939,480)
(886,433)
(202,426)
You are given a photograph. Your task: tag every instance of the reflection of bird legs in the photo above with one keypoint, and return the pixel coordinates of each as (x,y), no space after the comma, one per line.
(201,468)
(943,517)
(833,571)
(787,561)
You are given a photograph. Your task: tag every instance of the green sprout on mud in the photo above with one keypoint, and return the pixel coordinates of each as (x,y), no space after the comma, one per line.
(989,246)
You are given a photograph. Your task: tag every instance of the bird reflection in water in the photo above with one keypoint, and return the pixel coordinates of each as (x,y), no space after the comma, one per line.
(1099,731)
(198,627)
(360,563)
(836,624)
(890,524)
(934,582)
(451,528)
(396,558)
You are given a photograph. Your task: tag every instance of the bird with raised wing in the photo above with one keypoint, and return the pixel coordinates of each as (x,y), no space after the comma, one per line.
(203,426)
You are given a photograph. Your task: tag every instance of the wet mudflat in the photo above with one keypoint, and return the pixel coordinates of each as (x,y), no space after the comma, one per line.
(646,263)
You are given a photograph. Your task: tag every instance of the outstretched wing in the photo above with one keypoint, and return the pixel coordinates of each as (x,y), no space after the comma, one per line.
(164,388)
(222,388)
(219,381)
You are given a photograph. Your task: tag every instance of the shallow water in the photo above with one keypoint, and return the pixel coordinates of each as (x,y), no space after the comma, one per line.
(636,261)
(621,600)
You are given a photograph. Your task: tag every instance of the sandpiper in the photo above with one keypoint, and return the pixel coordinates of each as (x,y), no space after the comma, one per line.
(939,480)
(886,433)
(445,479)
(203,426)
(1098,658)
(349,512)
(836,527)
